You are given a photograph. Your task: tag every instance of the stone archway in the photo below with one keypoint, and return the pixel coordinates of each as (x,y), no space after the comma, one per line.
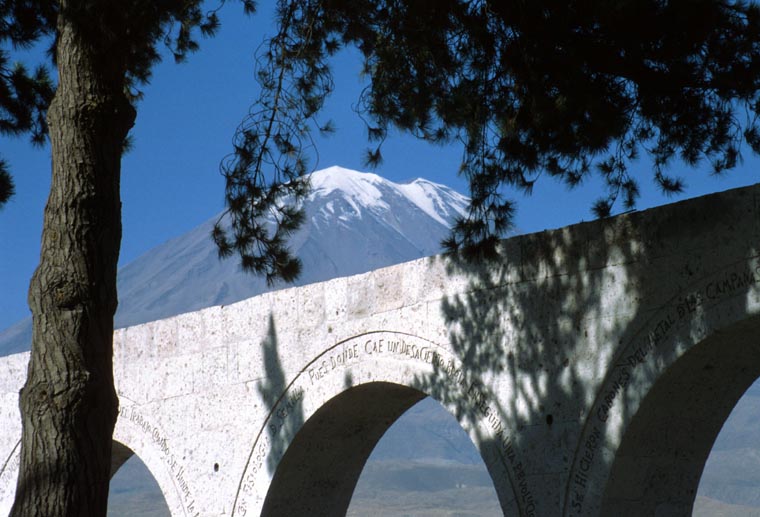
(332,448)
(659,462)
(133,489)
(425,463)
(120,454)
(137,434)
(324,423)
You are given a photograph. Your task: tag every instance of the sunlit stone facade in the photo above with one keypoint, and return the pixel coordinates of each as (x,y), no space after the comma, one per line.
(592,366)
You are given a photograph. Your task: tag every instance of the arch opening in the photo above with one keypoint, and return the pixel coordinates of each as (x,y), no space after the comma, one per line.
(731,476)
(323,462)
(661,457)
(327,456)
(133,489)
(425,463)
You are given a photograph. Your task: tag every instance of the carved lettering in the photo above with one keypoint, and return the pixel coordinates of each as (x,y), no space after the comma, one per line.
(398,347)
(10,471)
(686,306)
(278,418)
(581,476)
(529,504)
(287,407)
(176,470)
(347,354)
(608,400)
(682,309)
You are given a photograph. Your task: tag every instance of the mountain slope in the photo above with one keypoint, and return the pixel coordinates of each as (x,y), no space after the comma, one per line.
(355,222)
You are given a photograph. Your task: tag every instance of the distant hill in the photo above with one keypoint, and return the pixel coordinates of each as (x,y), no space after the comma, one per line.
(392,488)
(732,472)
(706,507)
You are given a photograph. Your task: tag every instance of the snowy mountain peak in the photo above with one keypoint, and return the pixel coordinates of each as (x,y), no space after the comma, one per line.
(355,222)
(357,188)
(368,191)
(346,180)
(439,202)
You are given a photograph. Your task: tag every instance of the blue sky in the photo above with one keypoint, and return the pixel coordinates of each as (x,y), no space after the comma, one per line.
(185,125)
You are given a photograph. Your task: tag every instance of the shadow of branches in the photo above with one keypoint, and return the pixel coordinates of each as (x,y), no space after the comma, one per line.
(283,424)
(543,335)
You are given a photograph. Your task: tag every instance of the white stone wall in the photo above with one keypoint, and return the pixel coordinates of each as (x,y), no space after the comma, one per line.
(547,358)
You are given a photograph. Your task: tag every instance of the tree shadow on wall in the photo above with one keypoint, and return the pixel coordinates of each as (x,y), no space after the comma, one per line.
(284,418)
(541,331)
(315,464)
(518,321)
(282,423)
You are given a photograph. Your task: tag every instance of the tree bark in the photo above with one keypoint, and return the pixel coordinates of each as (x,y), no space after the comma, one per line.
(68,404)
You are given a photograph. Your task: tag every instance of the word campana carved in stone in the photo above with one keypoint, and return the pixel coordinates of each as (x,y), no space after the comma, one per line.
(688,305)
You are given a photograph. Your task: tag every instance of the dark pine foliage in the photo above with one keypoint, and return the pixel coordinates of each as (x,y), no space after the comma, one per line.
(561,88)
(266,174)
(24,96)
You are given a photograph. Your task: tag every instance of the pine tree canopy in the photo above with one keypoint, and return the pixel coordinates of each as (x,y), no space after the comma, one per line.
(24,97)
(528,88)
(564,89)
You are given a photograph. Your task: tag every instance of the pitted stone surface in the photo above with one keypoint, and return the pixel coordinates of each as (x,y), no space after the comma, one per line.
(592,366)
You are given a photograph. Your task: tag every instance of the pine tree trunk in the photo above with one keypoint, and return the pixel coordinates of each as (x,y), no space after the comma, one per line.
(68,403)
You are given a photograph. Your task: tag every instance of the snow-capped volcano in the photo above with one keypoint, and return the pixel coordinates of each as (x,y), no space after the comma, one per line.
(364,191)
(355,222)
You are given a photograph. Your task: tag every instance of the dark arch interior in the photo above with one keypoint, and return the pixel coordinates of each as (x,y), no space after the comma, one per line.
(318,473)
(663,452)
(133,490)
(120,453)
